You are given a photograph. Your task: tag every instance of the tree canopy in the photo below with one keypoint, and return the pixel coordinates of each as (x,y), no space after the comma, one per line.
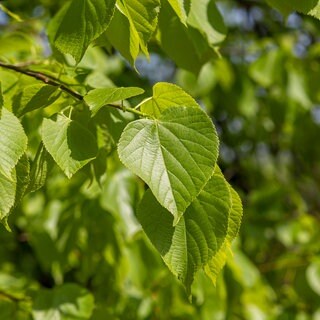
(129,133)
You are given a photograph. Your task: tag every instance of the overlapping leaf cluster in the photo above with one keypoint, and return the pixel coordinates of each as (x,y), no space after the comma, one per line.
(191,214)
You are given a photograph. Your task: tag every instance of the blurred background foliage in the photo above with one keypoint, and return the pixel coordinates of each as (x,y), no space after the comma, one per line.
(76,244)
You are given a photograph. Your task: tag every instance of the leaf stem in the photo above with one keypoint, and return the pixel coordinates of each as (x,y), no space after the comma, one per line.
(55,82)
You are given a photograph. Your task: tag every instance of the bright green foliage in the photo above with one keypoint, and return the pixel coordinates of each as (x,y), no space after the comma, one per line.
(194,241)
(212,26)
(166,95)
(198,39)
(143,18)
(179,7)
(78,23)
(69,143)
(100,97)
(79,145)
(175,155)
(62,303)
(13,142)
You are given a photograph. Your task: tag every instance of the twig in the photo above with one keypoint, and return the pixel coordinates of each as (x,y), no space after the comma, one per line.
(42,77)
(55,82)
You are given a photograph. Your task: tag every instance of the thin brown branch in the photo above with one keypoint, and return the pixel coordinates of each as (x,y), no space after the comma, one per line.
(42,77)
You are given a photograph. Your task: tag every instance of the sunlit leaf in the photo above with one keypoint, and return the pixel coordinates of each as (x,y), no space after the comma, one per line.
(175,155)
(70,144)
(100,97)
(166,95)
(13,142)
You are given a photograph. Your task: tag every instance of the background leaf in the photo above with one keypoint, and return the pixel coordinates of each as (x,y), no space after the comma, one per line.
(78,23)
(69,301)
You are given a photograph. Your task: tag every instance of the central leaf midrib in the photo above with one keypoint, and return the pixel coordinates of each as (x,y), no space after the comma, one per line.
(163,161)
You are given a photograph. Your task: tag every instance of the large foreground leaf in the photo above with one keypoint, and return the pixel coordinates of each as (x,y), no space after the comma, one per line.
(70,144)
(175,155)
(197,237)
(166,95)
(13,142)
(78,23)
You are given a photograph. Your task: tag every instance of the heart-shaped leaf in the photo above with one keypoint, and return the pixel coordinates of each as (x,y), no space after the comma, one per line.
(70,144)
(175,155)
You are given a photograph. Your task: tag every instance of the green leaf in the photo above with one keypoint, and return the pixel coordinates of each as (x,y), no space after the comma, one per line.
(143,19)
(33,97)
(218,261)
(67,302)
(1,99)
(205,17)
(197,237)
(40,168)
(176,40)
(119,195)
(7,198)
(100,97)
(175,155)
(13,142)
(69,143)
(166,95)
(313,276)
(179,7)
(310,7)
(118,34)
(23,178)
(78,23)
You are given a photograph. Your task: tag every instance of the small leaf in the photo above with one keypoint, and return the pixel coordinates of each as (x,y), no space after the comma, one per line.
(179,7)
(69,301)
(33,97)
(40,168)
(143,18)
(205,17)
(176,40)
(166,95)
(7,198)
(100,97)
(13,142)
(78,23)
(70,144)
(23,178)
(175,155)
(1,99)
(119,36)
(197,237)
